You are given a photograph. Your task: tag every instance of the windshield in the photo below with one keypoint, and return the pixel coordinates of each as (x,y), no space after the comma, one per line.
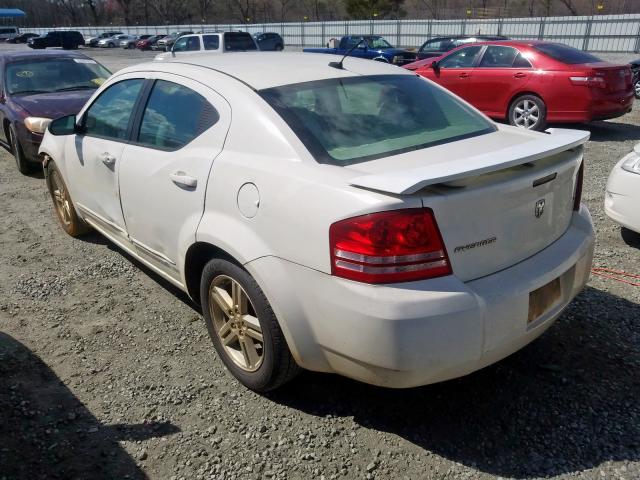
(238,41)
(566,54)
(378,43)
(54,75)
(355,119)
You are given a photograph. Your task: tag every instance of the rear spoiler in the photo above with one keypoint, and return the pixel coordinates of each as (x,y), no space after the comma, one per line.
(410,181)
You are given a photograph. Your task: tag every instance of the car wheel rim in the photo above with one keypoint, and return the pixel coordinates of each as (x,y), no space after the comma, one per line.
(526,114)
(61,199)
(236,323)
(636,87)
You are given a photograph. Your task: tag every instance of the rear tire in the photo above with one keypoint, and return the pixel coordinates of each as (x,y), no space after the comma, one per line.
(528,112)
(254,349)
(636,88)
(24,166)
(279,48)
(63,207)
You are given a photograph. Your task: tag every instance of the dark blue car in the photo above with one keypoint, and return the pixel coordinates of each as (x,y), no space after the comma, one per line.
(269,41)
(373,47)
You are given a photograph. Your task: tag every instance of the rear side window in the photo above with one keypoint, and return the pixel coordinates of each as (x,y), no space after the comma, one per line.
(174,116)
(498,57)
(350,120)
(109,115)
(565,53)
(238,41)
(211,42)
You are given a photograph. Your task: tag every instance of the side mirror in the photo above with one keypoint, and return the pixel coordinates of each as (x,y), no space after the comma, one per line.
(63,126)
(435,66)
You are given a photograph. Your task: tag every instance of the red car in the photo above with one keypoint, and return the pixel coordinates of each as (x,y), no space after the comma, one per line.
(531,83)
(147,43)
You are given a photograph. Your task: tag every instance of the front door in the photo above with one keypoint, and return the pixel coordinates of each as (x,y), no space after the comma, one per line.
(164,171)
(455,70)
(93,157)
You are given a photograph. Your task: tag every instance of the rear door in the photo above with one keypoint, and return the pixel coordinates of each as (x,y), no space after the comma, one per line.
(455,70)
(164,171)
(501,73)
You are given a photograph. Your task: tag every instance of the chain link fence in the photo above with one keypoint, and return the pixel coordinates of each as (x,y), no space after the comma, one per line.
(606,33)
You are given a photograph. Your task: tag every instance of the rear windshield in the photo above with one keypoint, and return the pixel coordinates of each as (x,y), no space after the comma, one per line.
(565,53)
(238,41)
(343,121)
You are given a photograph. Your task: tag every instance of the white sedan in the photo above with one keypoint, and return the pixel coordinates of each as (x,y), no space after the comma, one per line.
(351,218)
(622,200)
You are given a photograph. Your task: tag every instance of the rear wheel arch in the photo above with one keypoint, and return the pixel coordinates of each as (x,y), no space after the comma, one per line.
(197,256)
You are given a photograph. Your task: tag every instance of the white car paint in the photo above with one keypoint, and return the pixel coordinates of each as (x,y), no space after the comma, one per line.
(262,198)
(623,191)
(173,54)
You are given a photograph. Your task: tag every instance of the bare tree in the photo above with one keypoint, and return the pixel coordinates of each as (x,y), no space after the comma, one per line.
(569,4)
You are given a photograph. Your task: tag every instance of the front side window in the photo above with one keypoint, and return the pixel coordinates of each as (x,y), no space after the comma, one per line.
(109,115)
(498,57)
(187,44)
(53,75)
(355,119)
(211,42)
(463,58)
(174,116)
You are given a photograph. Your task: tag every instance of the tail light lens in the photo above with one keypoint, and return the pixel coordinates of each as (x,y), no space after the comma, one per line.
(577,196)
(388,247)
(594,82)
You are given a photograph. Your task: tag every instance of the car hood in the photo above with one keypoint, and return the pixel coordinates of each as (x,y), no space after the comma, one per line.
(53,105)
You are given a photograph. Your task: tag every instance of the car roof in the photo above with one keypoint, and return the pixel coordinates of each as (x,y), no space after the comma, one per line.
(13,56)
(260,70)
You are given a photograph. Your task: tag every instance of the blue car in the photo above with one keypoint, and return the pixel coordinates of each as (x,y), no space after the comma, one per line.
(369,46)
(269,41)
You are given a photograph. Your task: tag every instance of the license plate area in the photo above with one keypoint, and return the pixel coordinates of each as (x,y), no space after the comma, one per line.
(543,299)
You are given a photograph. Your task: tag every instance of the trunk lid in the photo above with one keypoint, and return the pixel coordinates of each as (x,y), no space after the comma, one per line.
(617,77)
(506,201)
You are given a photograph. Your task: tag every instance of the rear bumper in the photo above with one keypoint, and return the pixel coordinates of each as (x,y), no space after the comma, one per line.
(417,333)
(621,197)
(596,108)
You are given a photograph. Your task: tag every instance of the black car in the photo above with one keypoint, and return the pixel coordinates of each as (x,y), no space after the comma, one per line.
(67,39)
(635,70)
(22,38)
(269,41)
(39,87)
(440,45)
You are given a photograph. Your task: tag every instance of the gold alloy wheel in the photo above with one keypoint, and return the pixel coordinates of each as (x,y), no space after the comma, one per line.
(236,323)
(61,199)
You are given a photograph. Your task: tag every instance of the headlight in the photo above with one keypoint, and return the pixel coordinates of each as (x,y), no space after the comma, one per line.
(397,59)
(632,164)
(37,124)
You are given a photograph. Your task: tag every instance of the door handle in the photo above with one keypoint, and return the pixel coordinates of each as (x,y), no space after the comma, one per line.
(520,75)
(464,75)
(181,178)
(108,159)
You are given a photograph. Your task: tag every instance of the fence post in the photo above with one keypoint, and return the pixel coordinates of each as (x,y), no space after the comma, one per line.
(541,29)
(324,35)
(500,27)
(302,32)
(587,35)
(463,26)
(398,27)
(429,28)
(637,46)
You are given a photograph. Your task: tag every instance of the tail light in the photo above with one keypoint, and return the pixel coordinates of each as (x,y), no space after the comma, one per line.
(594,82)
(388,247)
(577,196)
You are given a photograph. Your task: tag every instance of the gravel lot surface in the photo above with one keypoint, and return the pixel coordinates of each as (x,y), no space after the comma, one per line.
(107,372)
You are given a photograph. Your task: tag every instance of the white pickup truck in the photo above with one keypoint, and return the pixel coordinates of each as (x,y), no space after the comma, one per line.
(215,42)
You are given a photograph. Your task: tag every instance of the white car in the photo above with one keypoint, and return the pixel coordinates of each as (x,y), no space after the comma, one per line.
(217,42)
(351,218)
(622,200)
(112,42)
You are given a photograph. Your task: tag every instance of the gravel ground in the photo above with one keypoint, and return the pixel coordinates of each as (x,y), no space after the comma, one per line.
(106,372)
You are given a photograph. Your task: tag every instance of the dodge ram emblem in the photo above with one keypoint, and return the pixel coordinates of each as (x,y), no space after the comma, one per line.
(539,208)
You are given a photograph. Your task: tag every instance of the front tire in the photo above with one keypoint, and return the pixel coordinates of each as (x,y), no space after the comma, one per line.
(636,88)
(24,167)
(528,112)
(63,207)
(243,327)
